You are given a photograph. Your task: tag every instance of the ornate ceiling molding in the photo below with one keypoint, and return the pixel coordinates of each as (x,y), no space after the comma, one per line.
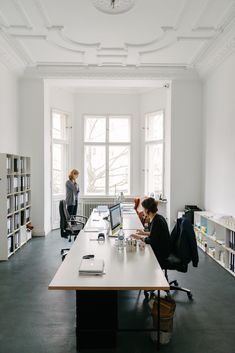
(43,13)
(113,7)
(215,42)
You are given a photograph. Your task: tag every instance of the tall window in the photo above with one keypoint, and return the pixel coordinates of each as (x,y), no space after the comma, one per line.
(107,145)
(154,148)
(60,143)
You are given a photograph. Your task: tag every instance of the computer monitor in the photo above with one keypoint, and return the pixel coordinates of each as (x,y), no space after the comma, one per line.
(115,217)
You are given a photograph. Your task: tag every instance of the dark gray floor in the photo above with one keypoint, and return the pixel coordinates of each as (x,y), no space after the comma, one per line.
(35,320)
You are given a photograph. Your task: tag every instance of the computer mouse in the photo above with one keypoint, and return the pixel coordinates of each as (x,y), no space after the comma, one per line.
(88,256)
(101,236)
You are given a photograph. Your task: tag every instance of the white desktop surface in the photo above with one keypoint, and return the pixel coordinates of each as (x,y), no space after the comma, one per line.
(123,270)
(130,221)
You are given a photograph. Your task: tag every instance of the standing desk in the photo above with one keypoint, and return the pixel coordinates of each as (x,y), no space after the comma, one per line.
(97,296)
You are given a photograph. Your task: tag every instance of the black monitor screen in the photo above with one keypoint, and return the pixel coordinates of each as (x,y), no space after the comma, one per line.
(115,216)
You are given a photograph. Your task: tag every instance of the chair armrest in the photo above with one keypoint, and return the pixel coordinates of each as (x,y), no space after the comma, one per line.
(73,222)
(79,216)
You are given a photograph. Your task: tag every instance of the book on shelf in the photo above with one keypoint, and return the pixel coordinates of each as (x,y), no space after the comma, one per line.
(231,262)
(16,202)
(22,183)
(17,240)
(8,205)
(8,162)
(16,221)
(27,182)
(22,164)
(10,244)
(9,225)
(27,214)
(21,200)
(8,184)
(22,218)
(15,183)
(16,165)
(232,239)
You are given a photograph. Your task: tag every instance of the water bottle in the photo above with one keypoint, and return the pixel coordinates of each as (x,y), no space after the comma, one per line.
(121,239)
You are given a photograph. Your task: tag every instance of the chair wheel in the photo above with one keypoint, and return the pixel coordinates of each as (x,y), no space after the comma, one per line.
(146,294)
(190,296)
(176,283)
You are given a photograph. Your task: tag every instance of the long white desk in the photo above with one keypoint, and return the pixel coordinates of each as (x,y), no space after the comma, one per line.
(130,221)
(96,296)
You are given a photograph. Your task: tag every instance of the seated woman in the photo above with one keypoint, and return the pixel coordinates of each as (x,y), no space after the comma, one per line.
(159,236)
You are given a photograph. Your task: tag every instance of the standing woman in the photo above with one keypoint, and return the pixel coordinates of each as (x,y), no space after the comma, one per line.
(72,191)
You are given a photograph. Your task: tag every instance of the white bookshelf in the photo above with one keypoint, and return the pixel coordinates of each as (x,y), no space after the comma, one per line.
(215,235)
(15,206)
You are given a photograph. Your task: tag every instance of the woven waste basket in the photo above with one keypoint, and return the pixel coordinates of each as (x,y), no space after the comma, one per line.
(167,311)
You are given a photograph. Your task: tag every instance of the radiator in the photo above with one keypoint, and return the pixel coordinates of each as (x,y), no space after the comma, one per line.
(86,206)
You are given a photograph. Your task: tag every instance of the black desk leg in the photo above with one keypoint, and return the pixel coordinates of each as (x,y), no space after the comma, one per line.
(158,319)
(96,319)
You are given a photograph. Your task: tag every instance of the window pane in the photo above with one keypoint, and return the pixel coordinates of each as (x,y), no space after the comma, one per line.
(95,129)
(94,176)
(154,126)
(58,177)
(119,169)
(119,129)
(154,168)
(59,130)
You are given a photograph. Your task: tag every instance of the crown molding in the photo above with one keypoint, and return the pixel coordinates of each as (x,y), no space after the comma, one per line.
(9,58)
(23,13)
(150,72)
(217,52)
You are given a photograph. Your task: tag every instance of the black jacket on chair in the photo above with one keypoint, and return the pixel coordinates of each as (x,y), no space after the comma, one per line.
(184,244)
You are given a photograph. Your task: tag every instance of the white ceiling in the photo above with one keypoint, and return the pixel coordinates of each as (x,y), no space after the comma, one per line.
(62,37)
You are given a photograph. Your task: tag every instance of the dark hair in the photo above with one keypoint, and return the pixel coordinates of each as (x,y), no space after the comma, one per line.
(150,204)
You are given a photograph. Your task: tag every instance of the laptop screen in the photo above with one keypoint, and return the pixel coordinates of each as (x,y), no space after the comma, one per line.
(115,216)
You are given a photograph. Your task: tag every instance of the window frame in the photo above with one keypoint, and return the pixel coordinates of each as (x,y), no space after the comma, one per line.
(154,142)
(66,142)
(107,144)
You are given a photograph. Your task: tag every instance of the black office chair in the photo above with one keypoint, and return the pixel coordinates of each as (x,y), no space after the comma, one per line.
(184,250)
(70,226)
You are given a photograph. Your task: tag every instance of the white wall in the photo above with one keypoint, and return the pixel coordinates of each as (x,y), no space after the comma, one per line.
(186,145)
(108,103)
(32,144)
(37,99)
(9,112)
(219,139)
(150,102)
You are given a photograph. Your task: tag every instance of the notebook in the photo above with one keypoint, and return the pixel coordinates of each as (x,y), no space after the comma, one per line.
(91,266)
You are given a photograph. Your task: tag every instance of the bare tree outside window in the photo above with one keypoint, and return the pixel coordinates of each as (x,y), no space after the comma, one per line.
(107,155)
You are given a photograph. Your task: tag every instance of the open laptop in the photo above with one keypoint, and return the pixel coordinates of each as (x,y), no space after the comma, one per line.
(91,266)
